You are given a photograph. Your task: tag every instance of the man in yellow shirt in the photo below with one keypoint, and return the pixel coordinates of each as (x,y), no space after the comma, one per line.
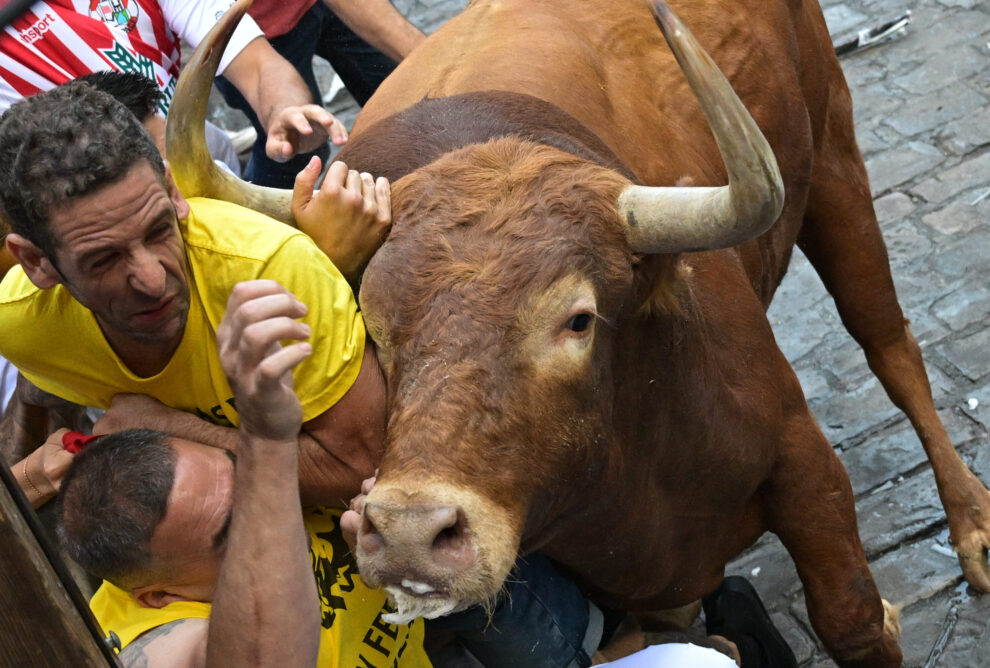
(208,560)
(122,283)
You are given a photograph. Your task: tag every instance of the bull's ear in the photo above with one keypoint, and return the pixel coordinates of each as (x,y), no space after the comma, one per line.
(33,260)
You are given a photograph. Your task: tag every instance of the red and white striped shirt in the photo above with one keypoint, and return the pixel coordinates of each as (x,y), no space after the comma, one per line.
(59,40)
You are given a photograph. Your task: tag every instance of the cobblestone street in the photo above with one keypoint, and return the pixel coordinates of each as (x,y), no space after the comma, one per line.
(922,105)
(923,123)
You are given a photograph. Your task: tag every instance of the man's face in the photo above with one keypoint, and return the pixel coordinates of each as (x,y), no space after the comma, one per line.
(120,255)
(191,538)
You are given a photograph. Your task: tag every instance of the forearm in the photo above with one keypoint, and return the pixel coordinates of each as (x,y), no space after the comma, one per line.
(380,24)
(324,477)
(180,425)
(31,416)
(30,477)
(266,611)
(22,429)
(267,81)
(279,86)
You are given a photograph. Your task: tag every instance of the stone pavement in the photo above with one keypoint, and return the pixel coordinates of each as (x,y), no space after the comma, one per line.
(922,108)
(922,104)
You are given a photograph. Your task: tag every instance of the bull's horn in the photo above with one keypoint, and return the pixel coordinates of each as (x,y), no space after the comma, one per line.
(193,169)
(681,219)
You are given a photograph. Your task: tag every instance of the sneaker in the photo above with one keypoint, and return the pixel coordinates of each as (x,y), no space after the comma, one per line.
(735,611)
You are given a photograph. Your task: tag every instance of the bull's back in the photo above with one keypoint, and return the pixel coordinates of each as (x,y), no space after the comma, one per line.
(606,64)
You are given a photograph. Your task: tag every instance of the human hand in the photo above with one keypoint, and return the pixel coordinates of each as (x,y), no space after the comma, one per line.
(259,315)
(300,129)
(350,521)
(40,473)
(133,411)
(53,460)
(347,218)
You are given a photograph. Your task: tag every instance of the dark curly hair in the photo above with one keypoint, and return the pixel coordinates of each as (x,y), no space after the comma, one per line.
(138,93)
(62,144)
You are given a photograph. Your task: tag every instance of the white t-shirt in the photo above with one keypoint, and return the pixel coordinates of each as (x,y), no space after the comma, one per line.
(60,40)
(674,655)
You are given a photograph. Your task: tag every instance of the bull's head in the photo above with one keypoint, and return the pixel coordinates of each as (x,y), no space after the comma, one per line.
(495,304)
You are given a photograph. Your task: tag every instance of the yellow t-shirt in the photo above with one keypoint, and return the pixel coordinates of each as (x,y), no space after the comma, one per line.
(353,635)
(57,344)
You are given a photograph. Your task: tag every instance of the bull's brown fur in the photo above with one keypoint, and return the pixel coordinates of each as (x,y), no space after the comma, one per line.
(647,450)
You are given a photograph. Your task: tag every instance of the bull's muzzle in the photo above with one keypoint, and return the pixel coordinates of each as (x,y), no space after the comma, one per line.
(435,547)
(422,544)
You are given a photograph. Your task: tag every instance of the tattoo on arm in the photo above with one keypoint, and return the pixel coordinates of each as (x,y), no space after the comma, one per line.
(22,428)
(136,655)
(31,416)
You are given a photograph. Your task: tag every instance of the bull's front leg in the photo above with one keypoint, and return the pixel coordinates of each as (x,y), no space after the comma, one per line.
(810,507)
(842,240)
(964,497)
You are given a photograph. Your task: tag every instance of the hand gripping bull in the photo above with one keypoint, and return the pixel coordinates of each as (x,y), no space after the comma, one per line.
(570,307)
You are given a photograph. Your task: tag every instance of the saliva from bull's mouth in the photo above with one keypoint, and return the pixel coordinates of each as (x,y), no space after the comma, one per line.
(412,599)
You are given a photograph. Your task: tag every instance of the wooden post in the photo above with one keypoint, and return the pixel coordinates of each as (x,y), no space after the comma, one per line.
(44,618)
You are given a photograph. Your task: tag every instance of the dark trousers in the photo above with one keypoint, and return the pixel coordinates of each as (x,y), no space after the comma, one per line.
(540,620)
(319,32)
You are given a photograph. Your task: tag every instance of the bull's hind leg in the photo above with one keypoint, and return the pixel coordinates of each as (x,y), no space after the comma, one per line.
(815,518)
(842,240)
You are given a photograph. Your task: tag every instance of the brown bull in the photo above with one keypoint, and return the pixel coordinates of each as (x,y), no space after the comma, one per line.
(563,374)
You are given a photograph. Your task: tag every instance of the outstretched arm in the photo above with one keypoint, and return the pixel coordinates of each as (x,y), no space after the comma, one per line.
(282,102)
(266,610)
(337,449)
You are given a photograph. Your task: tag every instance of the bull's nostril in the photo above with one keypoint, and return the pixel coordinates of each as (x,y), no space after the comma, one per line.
(451,547)
(416,539)
(369,539)
(448,539)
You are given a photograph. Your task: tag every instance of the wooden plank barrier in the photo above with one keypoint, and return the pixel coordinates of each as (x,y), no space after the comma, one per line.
(44,619)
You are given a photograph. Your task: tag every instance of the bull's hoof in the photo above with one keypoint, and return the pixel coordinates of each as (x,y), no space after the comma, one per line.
(891,620)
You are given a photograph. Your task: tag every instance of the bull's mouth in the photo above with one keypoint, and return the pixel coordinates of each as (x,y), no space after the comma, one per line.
(422,589)
(413,599)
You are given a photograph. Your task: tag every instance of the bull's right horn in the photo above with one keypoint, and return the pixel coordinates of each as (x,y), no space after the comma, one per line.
(193,169)
(683,219)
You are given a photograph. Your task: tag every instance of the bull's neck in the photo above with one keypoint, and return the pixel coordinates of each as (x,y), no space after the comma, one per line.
(427,130)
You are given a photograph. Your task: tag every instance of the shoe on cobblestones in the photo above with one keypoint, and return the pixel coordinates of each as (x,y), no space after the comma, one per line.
(735,611)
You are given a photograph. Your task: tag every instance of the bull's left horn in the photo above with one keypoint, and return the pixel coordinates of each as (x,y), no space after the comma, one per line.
(193,168)
(682,219)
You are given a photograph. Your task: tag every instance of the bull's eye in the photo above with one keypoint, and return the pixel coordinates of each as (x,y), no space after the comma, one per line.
(579,322)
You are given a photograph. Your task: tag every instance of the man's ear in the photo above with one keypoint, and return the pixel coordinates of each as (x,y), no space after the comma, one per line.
(33,260)
(153,596)
(178,201)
